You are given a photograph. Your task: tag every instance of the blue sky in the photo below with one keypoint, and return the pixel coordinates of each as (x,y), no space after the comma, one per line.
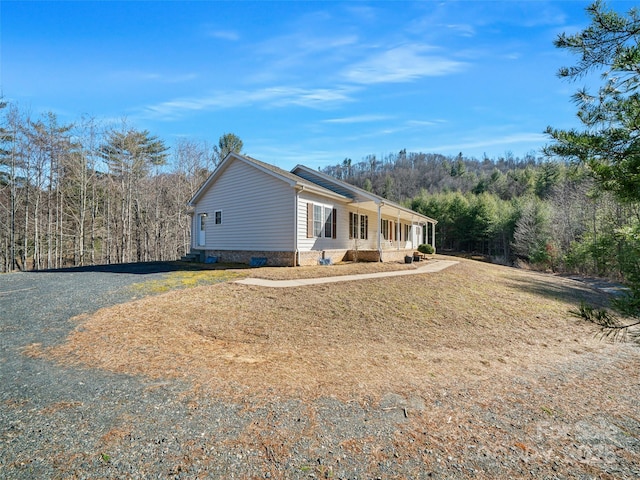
(301,82)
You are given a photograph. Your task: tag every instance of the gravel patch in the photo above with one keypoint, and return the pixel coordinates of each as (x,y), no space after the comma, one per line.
(578,419)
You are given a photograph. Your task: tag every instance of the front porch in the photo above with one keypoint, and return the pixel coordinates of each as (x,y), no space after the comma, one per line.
(395,232)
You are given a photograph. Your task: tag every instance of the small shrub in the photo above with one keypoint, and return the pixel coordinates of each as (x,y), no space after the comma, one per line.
(426,248)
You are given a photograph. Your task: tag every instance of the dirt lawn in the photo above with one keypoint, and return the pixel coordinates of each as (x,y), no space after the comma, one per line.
(478,371)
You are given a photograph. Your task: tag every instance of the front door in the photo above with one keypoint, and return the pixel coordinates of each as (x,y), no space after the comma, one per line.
(201,229)
(417,235)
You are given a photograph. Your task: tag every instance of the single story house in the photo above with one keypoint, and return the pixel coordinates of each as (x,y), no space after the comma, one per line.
(248,209)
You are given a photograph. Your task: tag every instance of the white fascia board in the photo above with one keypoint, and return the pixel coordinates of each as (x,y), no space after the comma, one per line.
(409,212)
(305,187)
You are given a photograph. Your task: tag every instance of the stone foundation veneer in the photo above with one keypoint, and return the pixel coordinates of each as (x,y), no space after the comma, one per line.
(363,256)
(374,255)
(396,255)
(312,257)
(274,259)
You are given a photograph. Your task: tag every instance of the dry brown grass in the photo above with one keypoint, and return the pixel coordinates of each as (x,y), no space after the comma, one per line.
(357,339)
(318,271)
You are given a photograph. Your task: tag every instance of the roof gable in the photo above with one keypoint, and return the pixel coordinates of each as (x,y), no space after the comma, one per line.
(288,177)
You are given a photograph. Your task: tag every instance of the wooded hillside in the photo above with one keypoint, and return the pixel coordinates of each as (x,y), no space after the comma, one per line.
(83,194)
(547,213)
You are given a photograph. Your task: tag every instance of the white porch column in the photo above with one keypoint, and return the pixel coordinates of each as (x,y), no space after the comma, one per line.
(398,232)
(413,235)
(433,236)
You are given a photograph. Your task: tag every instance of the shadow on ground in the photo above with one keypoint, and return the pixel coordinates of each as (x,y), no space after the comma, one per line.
(146,268)
(568,290)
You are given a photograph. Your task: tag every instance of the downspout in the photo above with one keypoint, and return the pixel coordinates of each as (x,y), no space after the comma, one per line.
(380,205)
(298,189)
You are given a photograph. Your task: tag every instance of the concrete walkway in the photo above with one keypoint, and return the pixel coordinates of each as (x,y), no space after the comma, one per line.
(429,267)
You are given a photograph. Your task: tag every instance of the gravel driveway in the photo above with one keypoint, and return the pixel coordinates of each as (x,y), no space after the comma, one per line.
(51,418)
(61,422)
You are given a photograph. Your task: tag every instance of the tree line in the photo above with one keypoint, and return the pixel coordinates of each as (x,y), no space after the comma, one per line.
(547,213)
(85,193)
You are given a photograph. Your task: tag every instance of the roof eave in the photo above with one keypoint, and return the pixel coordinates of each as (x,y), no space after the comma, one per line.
(359,192)
(322,191)
(356,190)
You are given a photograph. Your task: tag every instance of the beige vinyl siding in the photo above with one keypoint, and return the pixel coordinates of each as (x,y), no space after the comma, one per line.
(342,240)
(308,241)
(257,211)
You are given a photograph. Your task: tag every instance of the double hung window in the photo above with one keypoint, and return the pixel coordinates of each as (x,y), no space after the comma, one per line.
(384,225)
(317,220)
(328,222)
(321,221)
(358,226)
(364,227)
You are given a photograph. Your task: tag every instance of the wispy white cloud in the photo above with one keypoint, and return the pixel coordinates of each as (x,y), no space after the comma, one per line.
(141,76)
(360,12)
(294,154)
(300,56)
(391,128)
(404,63)
(272,97)
(230,35)
(424,123)
(509,141)
(462,29)
(294,48)
(358,119)
(302,97)
(538,14)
